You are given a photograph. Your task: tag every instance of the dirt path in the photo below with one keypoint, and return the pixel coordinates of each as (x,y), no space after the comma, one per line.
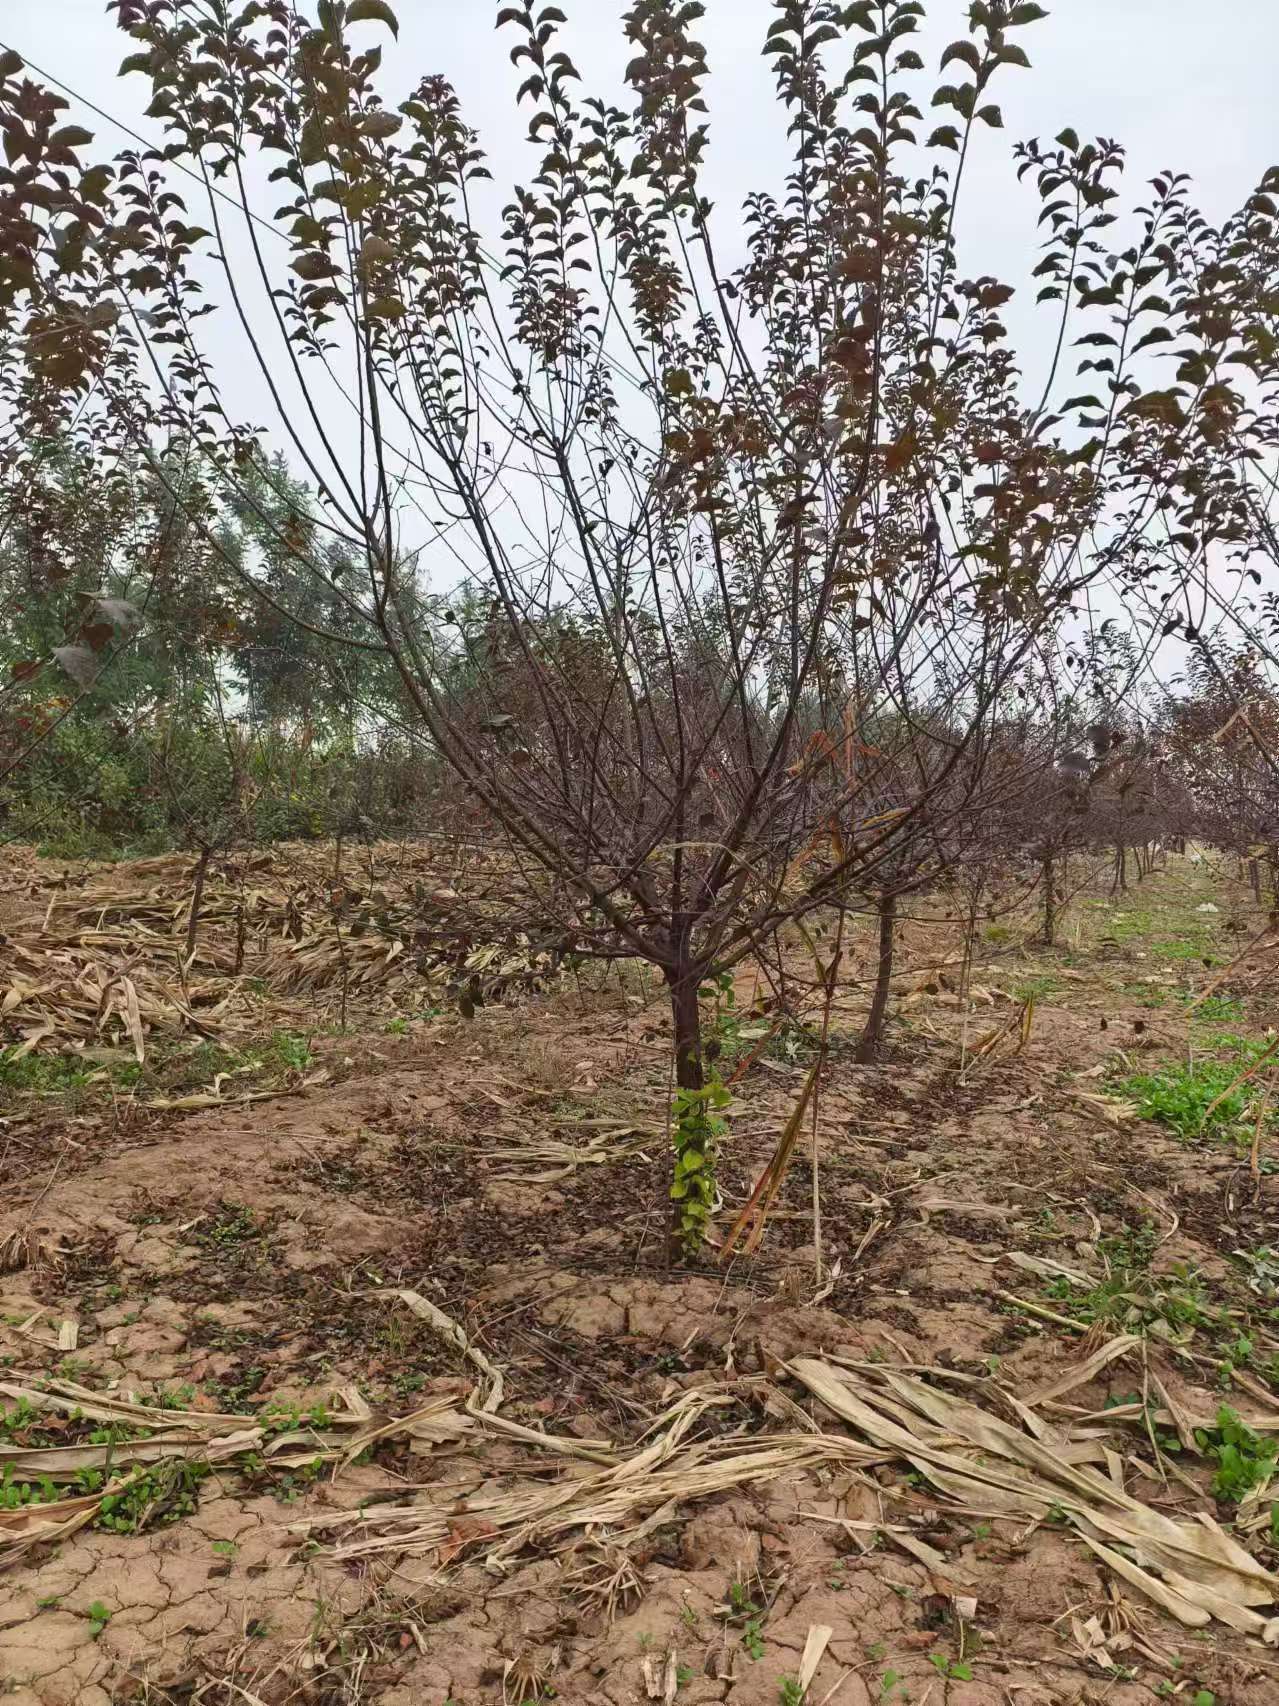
(248,1260)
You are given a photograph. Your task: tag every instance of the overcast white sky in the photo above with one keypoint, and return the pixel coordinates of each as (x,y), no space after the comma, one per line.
(1146,72)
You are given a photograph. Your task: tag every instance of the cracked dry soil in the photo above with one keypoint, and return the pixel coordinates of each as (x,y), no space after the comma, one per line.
(228,1257)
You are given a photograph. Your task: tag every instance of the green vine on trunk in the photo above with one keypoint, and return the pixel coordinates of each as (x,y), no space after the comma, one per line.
(699,1126)
(698,1130)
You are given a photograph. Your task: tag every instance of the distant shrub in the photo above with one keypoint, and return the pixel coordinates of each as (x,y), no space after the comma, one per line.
(96,789)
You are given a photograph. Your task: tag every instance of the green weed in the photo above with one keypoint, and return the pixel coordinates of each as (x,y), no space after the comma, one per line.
(192,1068)
(1262,1266)
(287,1486)
(1180,1096)
(233,1225)
(745,1611)
(954,1670)
(1132,1296)
(15,1494)
(698,1127)
(117,1433)
(19,1420)
(291,1051)
(174,1397)
(1244,1460)
(59,1074)
(1124,926)
(163,1495)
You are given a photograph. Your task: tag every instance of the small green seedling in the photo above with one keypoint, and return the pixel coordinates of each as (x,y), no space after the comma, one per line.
(790,1692)
(99,1617)
(1244,1460)
(742,1609)
(954,1670)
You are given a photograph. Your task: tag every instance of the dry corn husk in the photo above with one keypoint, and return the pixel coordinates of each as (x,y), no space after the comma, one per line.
(1195,1570)
(197,1436)
(109,965)
(627,1498)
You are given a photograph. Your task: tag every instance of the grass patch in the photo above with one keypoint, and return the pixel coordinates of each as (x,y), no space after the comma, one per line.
(1035,988)
(1218,1009)
(1180,1096)
(1183,948)
(1133,1297)
(1128,925)
(59,1074)
(1173,1305)
(171,1069)
(290,1051)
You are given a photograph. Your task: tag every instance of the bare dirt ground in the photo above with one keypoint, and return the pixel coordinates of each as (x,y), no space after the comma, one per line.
(612,1482)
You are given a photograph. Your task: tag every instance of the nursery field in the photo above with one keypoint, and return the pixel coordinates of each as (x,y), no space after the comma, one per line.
(344,1362)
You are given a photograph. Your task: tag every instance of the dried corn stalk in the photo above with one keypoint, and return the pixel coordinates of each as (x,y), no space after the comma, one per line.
(1194,1570)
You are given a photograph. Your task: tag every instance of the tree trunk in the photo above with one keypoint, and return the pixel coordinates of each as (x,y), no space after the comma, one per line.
(686,1023)
(1048,877)
(1121,869)
(1272,859)
(686,1019)
(873,1035)
(197,897)
(1254,877)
